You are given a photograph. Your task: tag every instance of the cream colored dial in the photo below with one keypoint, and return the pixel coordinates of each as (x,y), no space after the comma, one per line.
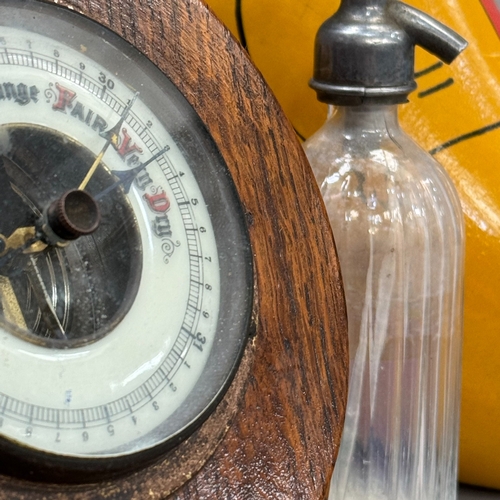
(115,343)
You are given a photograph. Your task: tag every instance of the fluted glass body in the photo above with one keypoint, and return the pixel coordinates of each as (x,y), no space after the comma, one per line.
(398,226)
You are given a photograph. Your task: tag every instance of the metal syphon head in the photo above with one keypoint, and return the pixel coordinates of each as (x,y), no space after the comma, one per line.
(365,52)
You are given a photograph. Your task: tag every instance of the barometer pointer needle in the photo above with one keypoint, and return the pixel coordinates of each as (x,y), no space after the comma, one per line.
(127,177)
(112,136)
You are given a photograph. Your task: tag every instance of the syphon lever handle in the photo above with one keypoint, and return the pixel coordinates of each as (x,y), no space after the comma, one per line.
(427,32)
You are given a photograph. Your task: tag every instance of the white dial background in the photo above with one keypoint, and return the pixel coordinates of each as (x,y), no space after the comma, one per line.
(114,396)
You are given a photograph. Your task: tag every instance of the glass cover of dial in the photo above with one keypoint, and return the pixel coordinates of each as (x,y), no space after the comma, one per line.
(125,268)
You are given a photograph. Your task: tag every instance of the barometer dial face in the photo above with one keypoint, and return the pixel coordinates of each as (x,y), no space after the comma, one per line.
(125,268)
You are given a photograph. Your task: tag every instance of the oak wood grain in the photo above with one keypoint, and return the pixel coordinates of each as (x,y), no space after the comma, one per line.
(276,434)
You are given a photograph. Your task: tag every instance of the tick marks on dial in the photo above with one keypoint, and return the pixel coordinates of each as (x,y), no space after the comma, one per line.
(82,419)
(106,413)
(129,406)
(5,400)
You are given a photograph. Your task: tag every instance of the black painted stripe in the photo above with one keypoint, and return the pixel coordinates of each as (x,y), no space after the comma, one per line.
(428,70)
(437,88)
(465,137)
(239,24)
(300,136)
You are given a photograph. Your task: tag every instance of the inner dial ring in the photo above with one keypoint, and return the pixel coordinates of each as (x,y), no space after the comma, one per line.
(139,381)
(92,282)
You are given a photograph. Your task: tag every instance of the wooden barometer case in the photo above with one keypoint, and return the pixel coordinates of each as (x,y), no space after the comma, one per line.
(172,321)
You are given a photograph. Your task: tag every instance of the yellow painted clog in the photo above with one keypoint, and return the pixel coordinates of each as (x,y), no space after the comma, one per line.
(455,114)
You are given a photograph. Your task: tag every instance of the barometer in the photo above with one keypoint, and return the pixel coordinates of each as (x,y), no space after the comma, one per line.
(130,288)
(126,273)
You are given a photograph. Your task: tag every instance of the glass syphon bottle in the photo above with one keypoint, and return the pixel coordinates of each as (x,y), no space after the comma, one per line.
(398,226)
